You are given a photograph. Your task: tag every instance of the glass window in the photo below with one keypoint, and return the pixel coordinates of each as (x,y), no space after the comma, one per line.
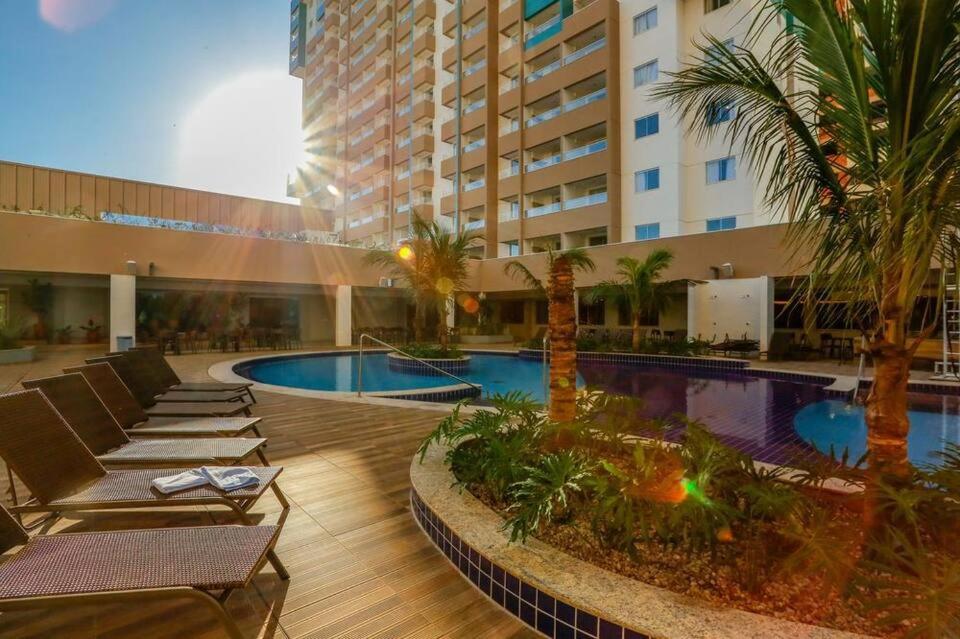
(713,52)
(722,170)
(721,224)
(720,111)
(647,125)
(511,312)
(646,180)
(593,314)
(645,21)
(543,312)
(713,5)
(646,73)
(646,231)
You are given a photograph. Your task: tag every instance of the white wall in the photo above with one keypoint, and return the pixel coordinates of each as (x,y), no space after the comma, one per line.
(732,307)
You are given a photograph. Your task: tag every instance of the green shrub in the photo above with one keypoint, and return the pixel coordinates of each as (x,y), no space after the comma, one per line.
(432,351)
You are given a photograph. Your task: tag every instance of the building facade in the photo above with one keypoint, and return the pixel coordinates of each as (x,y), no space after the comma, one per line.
(531,120)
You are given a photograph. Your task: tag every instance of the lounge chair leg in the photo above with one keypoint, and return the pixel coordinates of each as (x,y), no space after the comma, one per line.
(277,564)
(221,613)
(263,458)
(256,431)
(250,393)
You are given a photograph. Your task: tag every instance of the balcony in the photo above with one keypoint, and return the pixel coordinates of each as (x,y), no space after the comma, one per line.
(568,59)
(474,185)
(543,31)
(582,101)
(474,225)
(545,209)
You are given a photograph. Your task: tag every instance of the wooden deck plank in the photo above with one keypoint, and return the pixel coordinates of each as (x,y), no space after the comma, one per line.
(360,567)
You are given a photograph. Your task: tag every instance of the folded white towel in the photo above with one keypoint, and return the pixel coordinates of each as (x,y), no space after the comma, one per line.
(174,483)
(230,478)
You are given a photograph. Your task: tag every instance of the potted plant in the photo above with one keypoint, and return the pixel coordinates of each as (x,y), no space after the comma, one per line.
(64,334)
(11,351)
(93,331)
(39,298)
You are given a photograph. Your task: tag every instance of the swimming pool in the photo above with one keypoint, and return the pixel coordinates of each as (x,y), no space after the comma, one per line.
(773,417)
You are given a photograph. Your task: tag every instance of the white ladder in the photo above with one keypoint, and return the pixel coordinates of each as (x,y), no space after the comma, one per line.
(948,368)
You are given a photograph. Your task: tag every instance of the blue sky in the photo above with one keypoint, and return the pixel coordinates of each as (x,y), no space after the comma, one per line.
(187,92)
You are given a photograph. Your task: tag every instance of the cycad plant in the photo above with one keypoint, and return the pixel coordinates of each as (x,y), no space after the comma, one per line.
(562,323)
(638,284)
(432,264)
(852,117)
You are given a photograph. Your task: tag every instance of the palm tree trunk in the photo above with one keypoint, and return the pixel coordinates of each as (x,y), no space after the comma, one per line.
(563,340)
(636,333)
(886,410)
(443,337)
(418,322)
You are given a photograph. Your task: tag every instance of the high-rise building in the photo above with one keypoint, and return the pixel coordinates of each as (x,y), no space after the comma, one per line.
(530,120)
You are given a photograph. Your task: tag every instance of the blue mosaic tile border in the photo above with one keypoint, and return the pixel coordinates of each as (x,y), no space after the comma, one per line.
(539,610)
(657,360)
(406,365)
(453,394)
(787,376)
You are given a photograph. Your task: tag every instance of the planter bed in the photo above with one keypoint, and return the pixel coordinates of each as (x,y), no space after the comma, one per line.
(403,364)
(562,596)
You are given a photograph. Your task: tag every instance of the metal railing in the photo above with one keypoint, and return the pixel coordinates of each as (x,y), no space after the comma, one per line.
(363,336)
(546,370)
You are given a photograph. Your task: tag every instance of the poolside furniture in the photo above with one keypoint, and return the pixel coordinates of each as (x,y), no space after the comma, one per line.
(132,417)
(144,368)
(144,392)
(79,405)
(130,566)
(63,475)
(165,373)
(779,347)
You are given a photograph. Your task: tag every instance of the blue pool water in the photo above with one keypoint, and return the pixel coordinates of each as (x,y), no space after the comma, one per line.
(774,420)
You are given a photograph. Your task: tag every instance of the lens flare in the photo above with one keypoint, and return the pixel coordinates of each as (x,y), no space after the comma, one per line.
(405,253)
(471,305)
(72,15)
(725,535)
(333,190)
(444,286)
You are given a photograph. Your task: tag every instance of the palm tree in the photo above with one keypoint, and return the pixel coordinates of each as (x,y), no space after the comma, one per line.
(853,119)
(405,264)
(562,324)
(637,285)
(432,264)
(446,270)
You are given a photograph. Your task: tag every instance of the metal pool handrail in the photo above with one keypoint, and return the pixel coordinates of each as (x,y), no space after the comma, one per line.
(417,359)
(545,371)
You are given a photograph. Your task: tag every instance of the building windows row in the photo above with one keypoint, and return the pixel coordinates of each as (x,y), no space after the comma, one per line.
(722,170)
(720,111)
(647,125)
(713,5)
(646,231)
(645,21)
(647,180)
(721,224)
(646,73)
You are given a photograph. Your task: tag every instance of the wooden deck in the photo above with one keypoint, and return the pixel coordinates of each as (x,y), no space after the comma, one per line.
(360,567)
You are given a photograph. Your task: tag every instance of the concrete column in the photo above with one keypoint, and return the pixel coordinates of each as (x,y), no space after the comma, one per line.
(343,331)
(767,311)
(692,326)
(123,308)
(451,316)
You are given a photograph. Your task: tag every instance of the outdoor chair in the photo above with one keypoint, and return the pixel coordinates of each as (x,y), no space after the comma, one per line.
(63,475)
(169,378)
(133,566)
(85,413)
(144,368)
(146,396)
(133,418)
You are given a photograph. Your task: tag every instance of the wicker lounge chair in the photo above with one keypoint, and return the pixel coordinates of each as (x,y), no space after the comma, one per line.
(131,566)
(79,405)
(145,396)
(146,368)
(135,373)
(162,369)
(132,417)
(63,475)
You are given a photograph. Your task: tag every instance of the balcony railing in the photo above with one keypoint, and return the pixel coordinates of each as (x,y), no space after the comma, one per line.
(513,213)
(585,100)
(514,125)
(540,28)
(586,200)
(545,70)
(474,30)
(544,163)
(549,114)
(587,149)
(475,225)
(473,146)
(510,171)
(546,209)
(470,108)
(473,186)
(473,68)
